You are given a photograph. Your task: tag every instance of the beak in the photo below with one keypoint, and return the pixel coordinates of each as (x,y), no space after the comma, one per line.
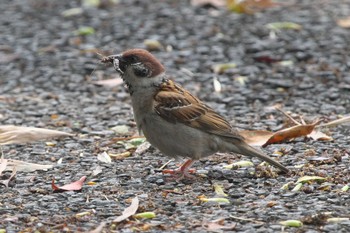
(115,59)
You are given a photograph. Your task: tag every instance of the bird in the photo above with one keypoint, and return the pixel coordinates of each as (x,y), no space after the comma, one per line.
(172,119)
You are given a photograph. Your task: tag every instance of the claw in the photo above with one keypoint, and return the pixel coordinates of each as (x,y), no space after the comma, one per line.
(182,172)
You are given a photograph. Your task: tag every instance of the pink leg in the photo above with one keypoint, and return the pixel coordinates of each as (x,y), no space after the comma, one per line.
(183,171)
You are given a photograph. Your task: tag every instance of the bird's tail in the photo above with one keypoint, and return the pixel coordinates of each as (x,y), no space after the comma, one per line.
(247,150)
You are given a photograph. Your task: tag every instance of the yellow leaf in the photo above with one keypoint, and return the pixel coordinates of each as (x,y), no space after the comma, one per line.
(239,164)
(146,215)
(218,190)
(283,25)
(82,214)
(297,187)
(292,223)
(215,199)
(306,179)
(220,68)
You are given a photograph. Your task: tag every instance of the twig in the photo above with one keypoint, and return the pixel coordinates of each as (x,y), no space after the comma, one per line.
(125,138)
(164,165)
(335,122)
(288,116)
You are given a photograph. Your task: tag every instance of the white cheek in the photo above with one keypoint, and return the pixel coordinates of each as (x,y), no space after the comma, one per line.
(141,82)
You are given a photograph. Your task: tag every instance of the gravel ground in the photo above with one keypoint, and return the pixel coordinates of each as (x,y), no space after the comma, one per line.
(47,73)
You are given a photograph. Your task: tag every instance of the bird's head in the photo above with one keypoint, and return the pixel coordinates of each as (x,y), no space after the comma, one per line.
(137,67)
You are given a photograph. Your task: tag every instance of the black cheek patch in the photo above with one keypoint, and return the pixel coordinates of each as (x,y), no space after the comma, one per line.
(141,71)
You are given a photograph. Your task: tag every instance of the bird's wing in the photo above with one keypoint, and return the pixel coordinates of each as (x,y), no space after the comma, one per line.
(176,105)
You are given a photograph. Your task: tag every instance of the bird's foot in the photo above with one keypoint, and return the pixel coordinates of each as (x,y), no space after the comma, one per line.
(182,172)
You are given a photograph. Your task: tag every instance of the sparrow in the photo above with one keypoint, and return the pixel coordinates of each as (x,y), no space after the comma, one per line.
(172,119)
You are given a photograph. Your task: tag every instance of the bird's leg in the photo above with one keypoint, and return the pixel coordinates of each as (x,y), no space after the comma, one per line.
(183,171)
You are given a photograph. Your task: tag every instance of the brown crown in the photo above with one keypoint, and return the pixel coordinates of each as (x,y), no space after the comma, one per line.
(147,59)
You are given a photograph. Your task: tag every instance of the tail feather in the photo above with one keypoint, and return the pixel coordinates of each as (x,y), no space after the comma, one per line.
(247,150)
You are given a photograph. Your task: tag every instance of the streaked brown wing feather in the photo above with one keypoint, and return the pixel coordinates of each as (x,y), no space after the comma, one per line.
(175,104)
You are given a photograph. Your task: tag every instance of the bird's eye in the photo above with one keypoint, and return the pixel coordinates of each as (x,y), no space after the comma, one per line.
(132,59)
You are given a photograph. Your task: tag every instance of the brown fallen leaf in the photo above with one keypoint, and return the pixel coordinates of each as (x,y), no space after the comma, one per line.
(75,186)
(10,134)
(129,211)
(249,6)
(22,166)
(318,135)
(256,137)
(290,133)
(264,138)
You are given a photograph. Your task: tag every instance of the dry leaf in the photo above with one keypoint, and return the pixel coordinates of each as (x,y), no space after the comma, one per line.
(249,6)
(264,138)
(283,25)
(120,129)
(221,68)
(318,135)
(109,82)
(10,134)
(3,164)
(219,200)
(292,223)
(129,211)
(306,179)
(239,164)
(22,166)
(142,148)
(344,23)
(97,171)
(72,12)
(122,155)
(82,214)
(75,186)
(104,157)
(256,137)
(337,220)
(218,190)
(145,215)
(290,133)
(216,84)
